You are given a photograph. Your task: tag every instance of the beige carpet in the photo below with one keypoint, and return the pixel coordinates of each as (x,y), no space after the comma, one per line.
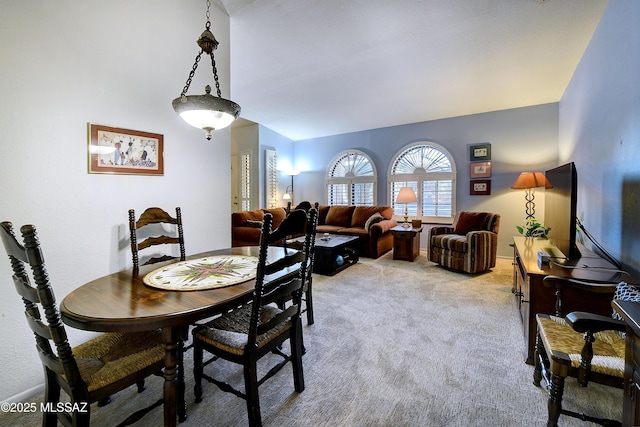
(394,344)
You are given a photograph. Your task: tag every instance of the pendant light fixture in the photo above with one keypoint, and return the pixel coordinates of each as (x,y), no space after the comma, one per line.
(206,112)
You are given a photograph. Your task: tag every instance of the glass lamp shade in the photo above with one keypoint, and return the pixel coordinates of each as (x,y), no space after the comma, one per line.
(206,112)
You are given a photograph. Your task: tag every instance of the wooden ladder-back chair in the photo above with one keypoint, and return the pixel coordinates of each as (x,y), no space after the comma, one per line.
(154,221)
(249,332)
(310,247)
(90,372)
(584,345)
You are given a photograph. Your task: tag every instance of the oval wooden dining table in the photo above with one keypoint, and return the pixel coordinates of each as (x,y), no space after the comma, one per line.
(123,302)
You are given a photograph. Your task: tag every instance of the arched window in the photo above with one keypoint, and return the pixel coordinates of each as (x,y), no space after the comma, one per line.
(351,179)
(429,169)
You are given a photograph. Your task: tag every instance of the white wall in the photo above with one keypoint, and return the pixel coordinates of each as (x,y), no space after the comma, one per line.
(117,63)
(600,132)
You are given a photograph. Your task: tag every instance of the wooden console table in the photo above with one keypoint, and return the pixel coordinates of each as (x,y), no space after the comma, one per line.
(406,242)
(533,297)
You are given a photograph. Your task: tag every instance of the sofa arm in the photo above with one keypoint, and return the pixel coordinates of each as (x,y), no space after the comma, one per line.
(246,234)
(379,228)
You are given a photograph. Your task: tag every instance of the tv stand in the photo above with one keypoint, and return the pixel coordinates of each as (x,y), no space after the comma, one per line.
(533,297)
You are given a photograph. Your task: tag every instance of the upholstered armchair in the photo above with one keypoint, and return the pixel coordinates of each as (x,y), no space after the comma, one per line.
(469,245)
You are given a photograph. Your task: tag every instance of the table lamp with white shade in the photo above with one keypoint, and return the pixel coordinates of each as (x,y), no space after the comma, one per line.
(406,196)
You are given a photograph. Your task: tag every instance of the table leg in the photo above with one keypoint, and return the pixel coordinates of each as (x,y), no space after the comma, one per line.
(172,343)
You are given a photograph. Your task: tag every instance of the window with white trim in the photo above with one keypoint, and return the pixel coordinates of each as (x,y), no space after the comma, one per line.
(351,180)
(430,170)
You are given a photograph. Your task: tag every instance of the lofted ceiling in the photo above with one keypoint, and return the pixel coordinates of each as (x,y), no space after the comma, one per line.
(312,68)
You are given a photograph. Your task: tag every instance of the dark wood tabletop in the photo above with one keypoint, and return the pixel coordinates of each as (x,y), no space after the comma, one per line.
(122,302)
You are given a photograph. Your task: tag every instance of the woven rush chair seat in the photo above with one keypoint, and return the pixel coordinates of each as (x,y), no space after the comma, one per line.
(230,332)
(565,346)
(112,357)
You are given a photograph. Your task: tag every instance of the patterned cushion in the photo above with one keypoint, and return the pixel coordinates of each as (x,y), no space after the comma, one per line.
(625,292)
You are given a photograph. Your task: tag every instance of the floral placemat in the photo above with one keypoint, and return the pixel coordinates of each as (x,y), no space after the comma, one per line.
(203,273)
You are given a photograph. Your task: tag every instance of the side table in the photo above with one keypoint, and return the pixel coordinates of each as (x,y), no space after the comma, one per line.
(406,242)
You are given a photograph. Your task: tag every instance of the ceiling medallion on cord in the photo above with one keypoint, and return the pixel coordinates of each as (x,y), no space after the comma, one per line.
(206,112)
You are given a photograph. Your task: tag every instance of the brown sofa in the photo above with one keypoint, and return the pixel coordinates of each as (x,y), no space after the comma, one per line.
(245,225)
(350,220)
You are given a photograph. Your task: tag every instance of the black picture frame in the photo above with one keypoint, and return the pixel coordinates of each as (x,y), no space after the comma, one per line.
(480,152)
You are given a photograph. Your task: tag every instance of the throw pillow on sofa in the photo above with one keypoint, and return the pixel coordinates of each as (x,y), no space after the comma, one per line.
(373,219)
(362,213)
(340,216)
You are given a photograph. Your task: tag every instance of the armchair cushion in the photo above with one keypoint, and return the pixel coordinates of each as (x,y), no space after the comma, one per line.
(469,221)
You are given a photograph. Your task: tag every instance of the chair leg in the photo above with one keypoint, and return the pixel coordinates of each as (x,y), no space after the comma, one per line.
(251,393)
(537,371)
(51,394)
(555,399)
(140,385)
(197,372)
(296,356)
(81,419)
(309,302)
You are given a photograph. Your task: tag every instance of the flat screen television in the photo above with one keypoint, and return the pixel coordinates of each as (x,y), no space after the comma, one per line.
(560,211)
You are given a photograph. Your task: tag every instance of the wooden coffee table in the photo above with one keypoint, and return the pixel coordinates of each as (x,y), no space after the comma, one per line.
(332,253)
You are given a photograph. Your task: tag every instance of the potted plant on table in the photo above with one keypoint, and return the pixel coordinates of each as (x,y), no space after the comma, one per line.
(533,228)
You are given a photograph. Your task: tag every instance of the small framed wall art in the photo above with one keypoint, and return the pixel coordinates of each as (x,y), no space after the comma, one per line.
(124,151)
(480,170)
(480,152)
(480,187)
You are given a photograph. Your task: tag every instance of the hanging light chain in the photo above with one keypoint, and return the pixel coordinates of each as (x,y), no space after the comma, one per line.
(215,75)
(191,74)
(207,44)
